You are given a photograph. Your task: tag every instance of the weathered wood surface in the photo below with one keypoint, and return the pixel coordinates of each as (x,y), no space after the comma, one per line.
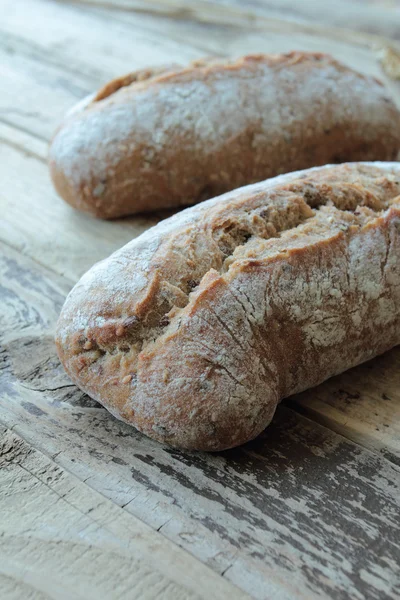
(68,541)
(362,404)
(342,18)
(298,512)
(311,508)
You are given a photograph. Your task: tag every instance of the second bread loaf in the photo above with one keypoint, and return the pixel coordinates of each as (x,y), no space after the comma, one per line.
(167,137)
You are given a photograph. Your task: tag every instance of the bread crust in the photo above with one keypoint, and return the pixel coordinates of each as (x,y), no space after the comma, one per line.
(194,331)
(168,137)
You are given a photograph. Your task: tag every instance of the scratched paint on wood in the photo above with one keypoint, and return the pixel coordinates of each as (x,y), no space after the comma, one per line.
(86,546)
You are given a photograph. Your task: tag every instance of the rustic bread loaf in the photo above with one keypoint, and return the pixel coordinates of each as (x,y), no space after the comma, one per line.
(157,139)
(195,330)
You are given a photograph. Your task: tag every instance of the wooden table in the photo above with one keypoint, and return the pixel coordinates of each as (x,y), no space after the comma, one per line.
(89,508)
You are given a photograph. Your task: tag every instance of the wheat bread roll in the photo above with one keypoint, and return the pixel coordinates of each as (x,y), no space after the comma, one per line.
(172,136)
(194,331)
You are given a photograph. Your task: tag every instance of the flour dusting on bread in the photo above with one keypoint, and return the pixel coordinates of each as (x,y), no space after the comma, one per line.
(194,331)
(185,135)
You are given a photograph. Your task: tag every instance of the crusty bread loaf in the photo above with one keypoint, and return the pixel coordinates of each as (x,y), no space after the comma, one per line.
(195,330)
(158,139)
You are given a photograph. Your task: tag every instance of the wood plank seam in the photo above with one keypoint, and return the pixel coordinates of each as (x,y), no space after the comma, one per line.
(35,52)
(22,149)
(228,15)
(23,129)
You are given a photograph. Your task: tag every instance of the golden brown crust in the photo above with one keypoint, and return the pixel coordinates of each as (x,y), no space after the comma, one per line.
(135,77)
(195,330)
(162,138)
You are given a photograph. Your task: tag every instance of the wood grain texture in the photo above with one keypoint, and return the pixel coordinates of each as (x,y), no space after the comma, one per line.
(362,404)
(301,507)
(370,17)
(362,24)
(54,73)
(88,548)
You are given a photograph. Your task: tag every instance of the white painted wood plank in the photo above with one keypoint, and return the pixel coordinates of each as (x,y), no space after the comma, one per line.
(362,404)
(62,540)
(365,16)
(38,223)
(360,23)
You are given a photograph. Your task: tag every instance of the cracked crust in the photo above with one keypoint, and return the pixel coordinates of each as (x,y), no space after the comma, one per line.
(165,137)
(195,330)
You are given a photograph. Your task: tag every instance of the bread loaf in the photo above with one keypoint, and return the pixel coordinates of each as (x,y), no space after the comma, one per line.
(194,331)
(164,138)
